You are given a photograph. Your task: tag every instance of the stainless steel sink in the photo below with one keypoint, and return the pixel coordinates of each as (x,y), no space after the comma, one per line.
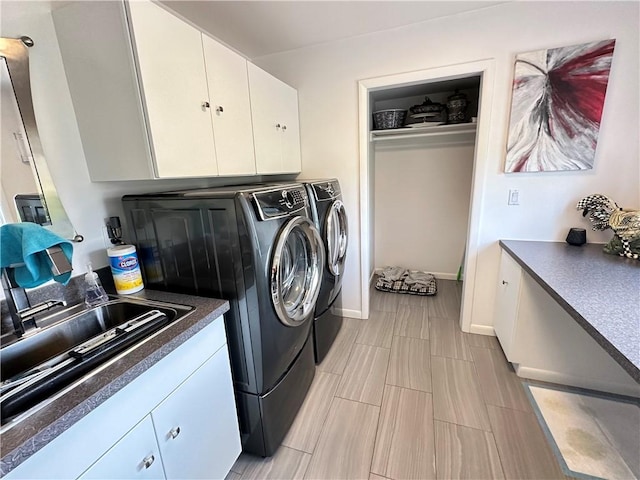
(70,344)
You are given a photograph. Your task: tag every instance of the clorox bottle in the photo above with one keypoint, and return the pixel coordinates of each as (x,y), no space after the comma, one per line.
(125,269)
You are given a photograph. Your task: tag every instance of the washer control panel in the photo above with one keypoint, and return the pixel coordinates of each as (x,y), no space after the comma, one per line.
(326,190)
(280,202)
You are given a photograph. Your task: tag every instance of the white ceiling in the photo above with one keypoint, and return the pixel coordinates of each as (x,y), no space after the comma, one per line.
(257,28)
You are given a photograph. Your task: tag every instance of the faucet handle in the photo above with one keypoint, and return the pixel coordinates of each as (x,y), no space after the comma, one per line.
(59,262)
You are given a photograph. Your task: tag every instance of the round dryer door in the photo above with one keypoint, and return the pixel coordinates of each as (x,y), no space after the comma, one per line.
(337,237)
(296,271)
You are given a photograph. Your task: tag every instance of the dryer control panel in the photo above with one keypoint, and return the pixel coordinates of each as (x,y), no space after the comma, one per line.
(281,202)
(326,190)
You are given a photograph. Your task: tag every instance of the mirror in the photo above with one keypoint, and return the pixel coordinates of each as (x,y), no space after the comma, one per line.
(28,191)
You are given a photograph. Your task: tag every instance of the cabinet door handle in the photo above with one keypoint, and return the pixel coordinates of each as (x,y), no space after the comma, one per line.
(174,432)
(504,282)
(284,127)
(205,105)
(148,461)
(219,109)
(277,125)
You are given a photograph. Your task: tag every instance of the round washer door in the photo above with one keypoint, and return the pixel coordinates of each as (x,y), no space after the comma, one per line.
(337,233)
(296,271)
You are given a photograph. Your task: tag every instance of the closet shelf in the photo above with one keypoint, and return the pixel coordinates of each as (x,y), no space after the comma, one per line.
(439,132)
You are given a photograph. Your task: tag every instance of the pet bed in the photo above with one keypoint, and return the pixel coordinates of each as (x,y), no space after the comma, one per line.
(412,282)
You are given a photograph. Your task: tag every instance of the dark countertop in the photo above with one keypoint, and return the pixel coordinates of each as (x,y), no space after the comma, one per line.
(600,291)
(34,432)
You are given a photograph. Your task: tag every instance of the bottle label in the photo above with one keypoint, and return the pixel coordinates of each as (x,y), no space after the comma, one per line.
(126,273)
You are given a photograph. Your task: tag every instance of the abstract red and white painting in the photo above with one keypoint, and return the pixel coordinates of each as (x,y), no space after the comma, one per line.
(556,107)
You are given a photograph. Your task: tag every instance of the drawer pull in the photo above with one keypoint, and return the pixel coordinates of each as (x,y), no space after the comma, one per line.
(504,282)
(174,432)
(277,125)
(284,127)
(148,461)
(220,109)
(205,105)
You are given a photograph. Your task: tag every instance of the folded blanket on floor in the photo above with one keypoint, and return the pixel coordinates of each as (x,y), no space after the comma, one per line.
(393,273)
(415,277)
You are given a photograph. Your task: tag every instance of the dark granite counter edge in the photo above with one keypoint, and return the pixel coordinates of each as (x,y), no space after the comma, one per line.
(618,356)
(34,432)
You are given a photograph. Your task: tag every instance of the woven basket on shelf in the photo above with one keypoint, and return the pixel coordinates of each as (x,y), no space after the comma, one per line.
(392,118)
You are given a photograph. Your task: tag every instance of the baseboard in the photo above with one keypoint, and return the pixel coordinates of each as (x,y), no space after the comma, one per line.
(588,383)
(345,312)
(440,275)
(482,330)
(445,276)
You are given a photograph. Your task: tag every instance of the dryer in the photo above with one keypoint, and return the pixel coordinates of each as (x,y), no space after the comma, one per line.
(330,217)
(257,247)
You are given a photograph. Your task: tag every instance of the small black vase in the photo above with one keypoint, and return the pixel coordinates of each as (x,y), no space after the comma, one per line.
(577,236)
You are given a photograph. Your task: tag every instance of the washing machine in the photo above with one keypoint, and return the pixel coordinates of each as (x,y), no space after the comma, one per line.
(258,248)
(330,217)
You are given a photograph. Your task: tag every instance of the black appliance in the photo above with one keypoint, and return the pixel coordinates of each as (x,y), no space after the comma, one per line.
(257,247)
(330,217)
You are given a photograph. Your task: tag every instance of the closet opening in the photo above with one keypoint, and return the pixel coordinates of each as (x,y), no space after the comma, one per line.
(421,183)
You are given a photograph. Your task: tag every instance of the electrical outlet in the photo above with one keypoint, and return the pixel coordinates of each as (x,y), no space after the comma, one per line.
(514,197)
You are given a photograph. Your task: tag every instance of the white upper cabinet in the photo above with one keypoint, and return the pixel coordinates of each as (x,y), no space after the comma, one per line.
(276,132)
(230,108)
(174,84)
(153,96)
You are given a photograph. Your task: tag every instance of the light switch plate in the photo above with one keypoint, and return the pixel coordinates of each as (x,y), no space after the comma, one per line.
(514,197)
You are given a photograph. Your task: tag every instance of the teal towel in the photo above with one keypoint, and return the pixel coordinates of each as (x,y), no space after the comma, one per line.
(26,243)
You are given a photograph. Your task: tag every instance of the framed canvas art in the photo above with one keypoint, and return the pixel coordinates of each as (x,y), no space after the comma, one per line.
(556,107)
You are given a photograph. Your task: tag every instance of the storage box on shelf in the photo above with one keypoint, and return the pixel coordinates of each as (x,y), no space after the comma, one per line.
(386,119)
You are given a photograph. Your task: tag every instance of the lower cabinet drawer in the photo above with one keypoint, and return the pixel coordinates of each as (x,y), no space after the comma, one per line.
(135,456)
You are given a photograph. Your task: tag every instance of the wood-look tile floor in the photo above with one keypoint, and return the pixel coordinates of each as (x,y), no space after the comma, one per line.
(408,395)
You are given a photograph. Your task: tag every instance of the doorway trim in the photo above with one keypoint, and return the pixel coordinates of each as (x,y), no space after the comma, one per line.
(486,70)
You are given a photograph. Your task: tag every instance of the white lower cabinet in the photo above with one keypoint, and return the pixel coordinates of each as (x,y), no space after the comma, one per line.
(135,456)
(546,343)
(177,420)
(506,306)
(192,433)
(196,426)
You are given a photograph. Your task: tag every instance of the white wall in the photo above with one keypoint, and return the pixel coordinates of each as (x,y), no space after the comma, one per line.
(326,77)
(421,206)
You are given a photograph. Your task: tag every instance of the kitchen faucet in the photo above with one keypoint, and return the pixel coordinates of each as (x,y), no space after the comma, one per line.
(20,309)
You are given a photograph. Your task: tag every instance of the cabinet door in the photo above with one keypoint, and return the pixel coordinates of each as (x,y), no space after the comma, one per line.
(506,307)
(291,161)
(197,426)
(173,80)
(230,109)
(267,126)
(135,456)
